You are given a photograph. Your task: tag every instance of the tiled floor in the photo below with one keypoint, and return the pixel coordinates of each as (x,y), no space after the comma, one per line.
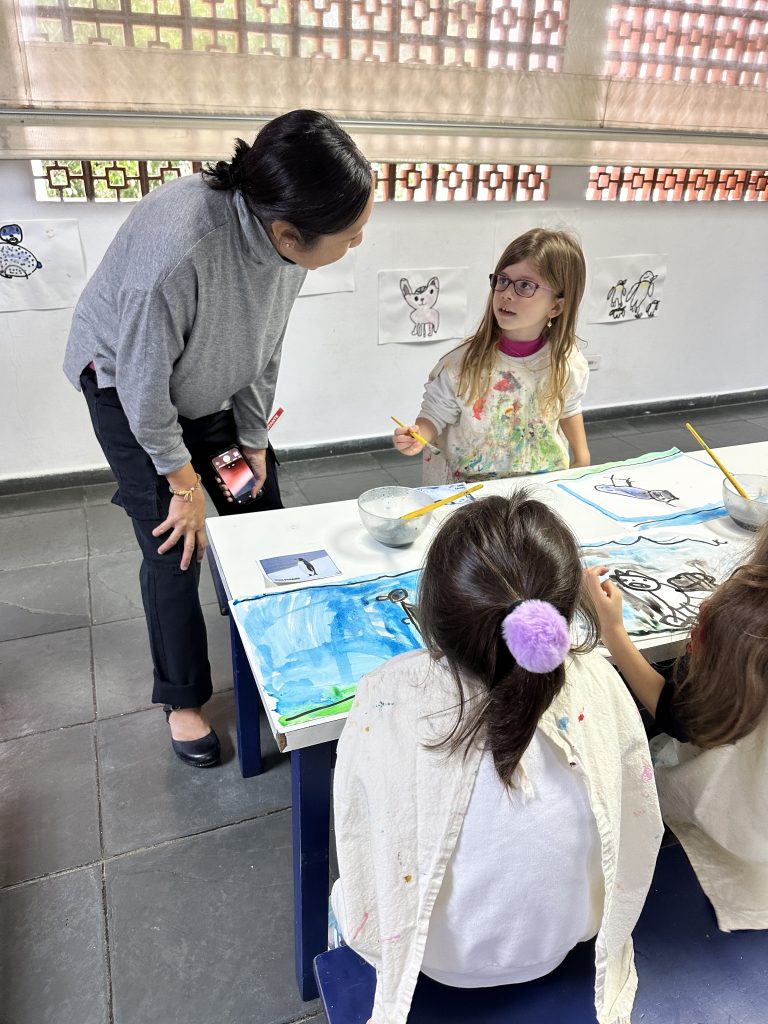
(134,889)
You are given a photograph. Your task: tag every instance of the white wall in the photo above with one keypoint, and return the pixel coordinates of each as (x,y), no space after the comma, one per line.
(337,384)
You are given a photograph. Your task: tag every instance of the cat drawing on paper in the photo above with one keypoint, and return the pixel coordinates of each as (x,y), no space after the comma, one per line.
(424,316)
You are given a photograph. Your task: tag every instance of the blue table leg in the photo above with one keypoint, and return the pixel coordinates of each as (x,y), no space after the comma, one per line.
(218,586)
(246,707)
(311,817)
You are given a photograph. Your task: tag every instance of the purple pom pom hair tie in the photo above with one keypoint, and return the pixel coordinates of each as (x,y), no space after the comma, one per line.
(537,635)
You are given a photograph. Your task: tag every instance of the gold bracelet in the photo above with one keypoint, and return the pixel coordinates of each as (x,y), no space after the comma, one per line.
(186,495)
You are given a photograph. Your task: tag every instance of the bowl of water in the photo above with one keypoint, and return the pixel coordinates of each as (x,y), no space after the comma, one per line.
(380,510)
(750,513)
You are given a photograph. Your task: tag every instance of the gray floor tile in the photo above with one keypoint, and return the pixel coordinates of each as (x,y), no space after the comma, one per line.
(304,469)
(389,457)
(645,423)
(109,530)
(97,494)
(42,538)
(760,420)
(201,929)
(41,501)
(45,682)
(337,488)
(408,474)
(612,449)
(43,599)
(115,591)
(602,428)
(291,492)
(123,668)
(149,796)
(661,440)
(49,809)
(735,432)
(53,967)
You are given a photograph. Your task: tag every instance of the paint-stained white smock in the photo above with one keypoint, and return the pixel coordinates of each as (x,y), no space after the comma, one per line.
(716,802)
(507,432)
(399,808)
(539,838)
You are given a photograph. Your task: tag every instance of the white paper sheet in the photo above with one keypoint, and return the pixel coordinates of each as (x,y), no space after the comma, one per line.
(427,304)
(627,288)
(41,264)
(336,277)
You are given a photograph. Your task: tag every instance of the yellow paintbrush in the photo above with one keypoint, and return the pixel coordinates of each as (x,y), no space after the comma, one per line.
(443,501)
(717,462)
(417,436)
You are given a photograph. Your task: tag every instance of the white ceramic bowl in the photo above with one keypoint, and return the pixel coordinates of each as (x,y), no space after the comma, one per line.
(751,513)
(380,510)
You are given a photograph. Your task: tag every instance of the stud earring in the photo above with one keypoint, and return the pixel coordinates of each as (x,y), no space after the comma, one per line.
(549,322)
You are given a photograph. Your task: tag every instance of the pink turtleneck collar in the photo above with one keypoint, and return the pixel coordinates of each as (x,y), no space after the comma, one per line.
(521,348)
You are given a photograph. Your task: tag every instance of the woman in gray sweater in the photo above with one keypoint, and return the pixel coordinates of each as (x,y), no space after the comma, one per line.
(176,344)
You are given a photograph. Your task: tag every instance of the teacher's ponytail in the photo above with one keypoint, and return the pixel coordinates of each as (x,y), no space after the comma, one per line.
(302,168)
(227,174)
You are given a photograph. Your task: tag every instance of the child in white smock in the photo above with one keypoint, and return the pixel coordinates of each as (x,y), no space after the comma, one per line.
(494,798)
(508,400)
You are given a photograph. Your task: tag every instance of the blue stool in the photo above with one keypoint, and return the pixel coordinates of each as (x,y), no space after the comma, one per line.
(690,973)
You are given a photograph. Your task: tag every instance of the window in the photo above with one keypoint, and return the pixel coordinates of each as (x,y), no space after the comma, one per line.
(129,180)
(101,181)
(668,184)
(689,41)
(528,35)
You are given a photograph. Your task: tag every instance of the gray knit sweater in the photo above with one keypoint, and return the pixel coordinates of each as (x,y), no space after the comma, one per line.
(185,315)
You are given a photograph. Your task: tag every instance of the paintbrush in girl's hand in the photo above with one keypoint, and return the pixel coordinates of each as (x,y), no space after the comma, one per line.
(418,437)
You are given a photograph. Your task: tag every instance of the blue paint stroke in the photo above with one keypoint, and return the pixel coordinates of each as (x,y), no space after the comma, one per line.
(312,645)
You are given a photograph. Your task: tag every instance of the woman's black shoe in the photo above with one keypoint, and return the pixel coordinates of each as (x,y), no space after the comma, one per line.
(202,753)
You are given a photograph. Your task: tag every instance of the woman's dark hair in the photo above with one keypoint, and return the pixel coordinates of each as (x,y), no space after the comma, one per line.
(722,691)
(302,168)
(485,556)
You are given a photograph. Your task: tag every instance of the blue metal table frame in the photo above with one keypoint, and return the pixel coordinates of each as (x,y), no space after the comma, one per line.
(311,773)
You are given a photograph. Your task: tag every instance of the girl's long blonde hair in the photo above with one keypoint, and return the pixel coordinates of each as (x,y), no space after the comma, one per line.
(557,256)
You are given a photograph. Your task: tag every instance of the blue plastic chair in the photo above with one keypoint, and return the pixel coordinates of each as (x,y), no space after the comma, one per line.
(690,973)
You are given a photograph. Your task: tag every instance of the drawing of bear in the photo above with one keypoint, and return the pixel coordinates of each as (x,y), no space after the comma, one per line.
(424,317)
(15,260)
(668,603)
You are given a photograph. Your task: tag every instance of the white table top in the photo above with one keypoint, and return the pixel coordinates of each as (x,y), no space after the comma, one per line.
(238,542)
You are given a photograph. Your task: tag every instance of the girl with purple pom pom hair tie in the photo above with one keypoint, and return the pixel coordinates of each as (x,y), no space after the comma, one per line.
(496,817)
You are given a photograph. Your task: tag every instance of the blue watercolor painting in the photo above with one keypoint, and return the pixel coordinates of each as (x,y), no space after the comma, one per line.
(664,577)
(663,488)
(313,644)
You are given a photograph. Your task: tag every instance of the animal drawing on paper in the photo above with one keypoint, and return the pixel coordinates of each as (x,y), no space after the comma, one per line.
(423,300)
(669,604)
(663,578)
(640,293)
(400,596)
(630,490)
(617,296)
(15,260)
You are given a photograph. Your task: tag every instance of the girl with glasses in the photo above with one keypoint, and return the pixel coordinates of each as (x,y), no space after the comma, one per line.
(508,400)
